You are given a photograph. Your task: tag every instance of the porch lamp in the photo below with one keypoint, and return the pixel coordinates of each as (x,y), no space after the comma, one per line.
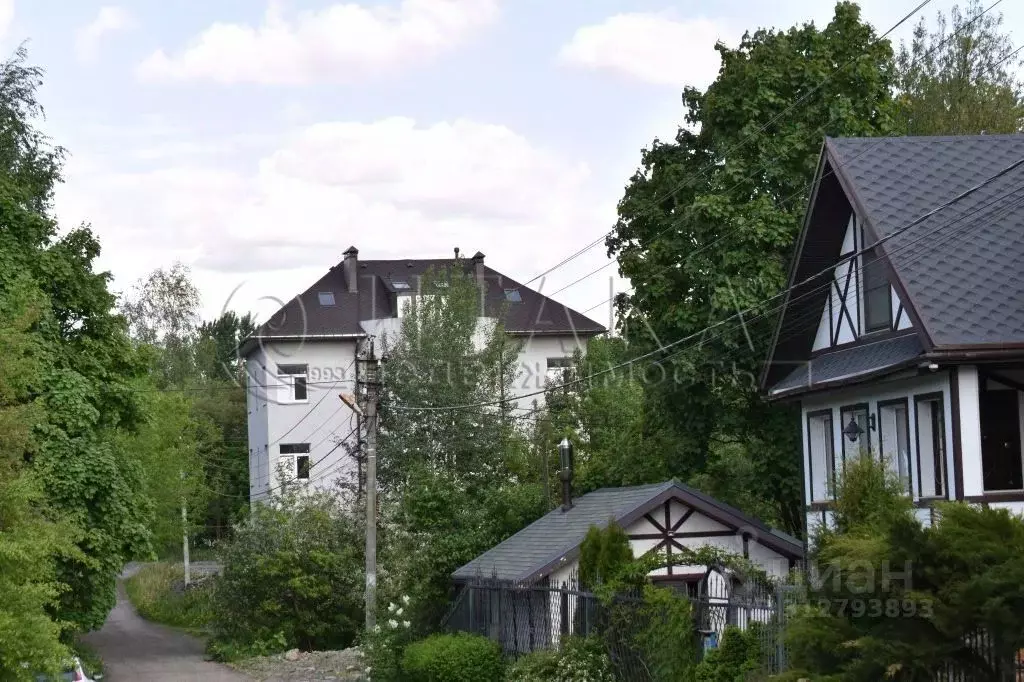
(853,430)
(565,472)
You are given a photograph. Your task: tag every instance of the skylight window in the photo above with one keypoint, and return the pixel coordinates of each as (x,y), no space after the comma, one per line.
(513,296)
(399,284)
(326,297)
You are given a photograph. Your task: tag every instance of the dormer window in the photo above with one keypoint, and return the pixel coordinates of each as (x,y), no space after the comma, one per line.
(877,302)
(400,285)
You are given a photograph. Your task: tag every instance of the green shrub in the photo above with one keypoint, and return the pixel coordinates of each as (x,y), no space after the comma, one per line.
(293,577)
(158,593)
(737,657)
(604,554)
(665,634)
(583,659)
(539,666)
(459,657)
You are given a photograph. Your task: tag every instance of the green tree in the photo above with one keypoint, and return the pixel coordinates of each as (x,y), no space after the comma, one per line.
(604,553)
(901,601)
(31,534)
(451,480)
(706,229)
(217,346)
(961,77)
(82,391)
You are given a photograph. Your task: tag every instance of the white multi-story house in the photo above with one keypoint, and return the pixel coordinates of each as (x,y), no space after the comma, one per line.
(299,361)
(903,332)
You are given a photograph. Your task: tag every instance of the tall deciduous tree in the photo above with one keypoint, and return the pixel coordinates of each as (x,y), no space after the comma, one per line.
(452,483)
(707,224)
(85,364)
(960,78)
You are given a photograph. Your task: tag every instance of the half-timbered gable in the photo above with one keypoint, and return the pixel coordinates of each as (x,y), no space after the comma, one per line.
(902,334)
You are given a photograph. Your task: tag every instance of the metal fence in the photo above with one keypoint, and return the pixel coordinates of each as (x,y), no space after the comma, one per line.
(527,618)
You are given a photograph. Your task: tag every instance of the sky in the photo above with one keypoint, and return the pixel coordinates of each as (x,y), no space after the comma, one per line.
(256,141)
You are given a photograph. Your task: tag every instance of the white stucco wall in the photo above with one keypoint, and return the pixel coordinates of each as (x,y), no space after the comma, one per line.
(533,363)
(320,420)
(256,405)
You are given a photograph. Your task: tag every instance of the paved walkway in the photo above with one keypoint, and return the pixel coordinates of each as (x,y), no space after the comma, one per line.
(135,649)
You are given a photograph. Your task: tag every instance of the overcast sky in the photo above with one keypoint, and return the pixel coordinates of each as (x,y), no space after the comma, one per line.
(256,141)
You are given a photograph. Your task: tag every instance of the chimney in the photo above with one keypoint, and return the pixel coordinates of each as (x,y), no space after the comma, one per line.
(350,266)
(565,473)
(478,267)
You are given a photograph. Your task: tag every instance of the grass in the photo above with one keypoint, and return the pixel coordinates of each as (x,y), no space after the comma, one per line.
(91,661)
(156,593)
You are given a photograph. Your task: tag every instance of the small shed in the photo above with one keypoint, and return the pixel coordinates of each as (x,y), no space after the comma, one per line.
(667,516)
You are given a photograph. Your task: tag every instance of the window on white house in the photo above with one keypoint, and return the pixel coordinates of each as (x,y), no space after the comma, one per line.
(296,457)
(821,454)
(1001,465)
(406,301)
(877,303)
(293,379)
(894,435)
(931,445)
(854,421)
(556,369)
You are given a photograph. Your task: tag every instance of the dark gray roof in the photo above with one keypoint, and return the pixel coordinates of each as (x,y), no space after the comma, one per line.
(963,266)
(304,317)
(851,364)
(539,548)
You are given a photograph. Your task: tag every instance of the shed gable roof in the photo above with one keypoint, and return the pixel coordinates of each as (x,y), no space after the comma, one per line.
(539,548)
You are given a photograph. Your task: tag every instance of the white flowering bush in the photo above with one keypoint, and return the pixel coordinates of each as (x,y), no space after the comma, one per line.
(382,648)
(583,660)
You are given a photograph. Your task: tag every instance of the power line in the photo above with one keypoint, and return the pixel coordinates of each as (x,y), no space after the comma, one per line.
(784,292)
(750,136)
(810,185)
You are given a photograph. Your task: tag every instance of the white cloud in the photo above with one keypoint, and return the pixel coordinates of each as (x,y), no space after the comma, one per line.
(393,187)
(344,42)
(6,17)
(653,48)
(110,19)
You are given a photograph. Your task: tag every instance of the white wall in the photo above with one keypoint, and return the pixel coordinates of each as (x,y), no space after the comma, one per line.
(256,405)
(319,421)
(731,540)
(533,356)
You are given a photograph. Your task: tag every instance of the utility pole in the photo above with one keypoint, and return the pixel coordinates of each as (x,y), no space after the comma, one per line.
(368,411)
(184,533)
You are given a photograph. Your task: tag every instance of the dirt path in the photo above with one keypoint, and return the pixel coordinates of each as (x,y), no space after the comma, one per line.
(135,649)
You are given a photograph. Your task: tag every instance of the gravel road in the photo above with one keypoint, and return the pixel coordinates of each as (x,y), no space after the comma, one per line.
(135,649)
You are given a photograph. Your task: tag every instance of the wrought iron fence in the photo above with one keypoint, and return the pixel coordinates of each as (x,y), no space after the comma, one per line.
(527,618)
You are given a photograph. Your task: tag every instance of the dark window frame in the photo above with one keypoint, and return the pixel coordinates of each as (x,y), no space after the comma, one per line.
(830,479)
(871,261)
(299,382)
(903,402)
(294,448)
(940,458)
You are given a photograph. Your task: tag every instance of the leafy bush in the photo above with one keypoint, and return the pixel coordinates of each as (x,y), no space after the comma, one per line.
(583,659)
(604,554)
(539,666)
(735,659)
(665,634)
(459,657)
(384,646)
(293,577)
(158,593)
